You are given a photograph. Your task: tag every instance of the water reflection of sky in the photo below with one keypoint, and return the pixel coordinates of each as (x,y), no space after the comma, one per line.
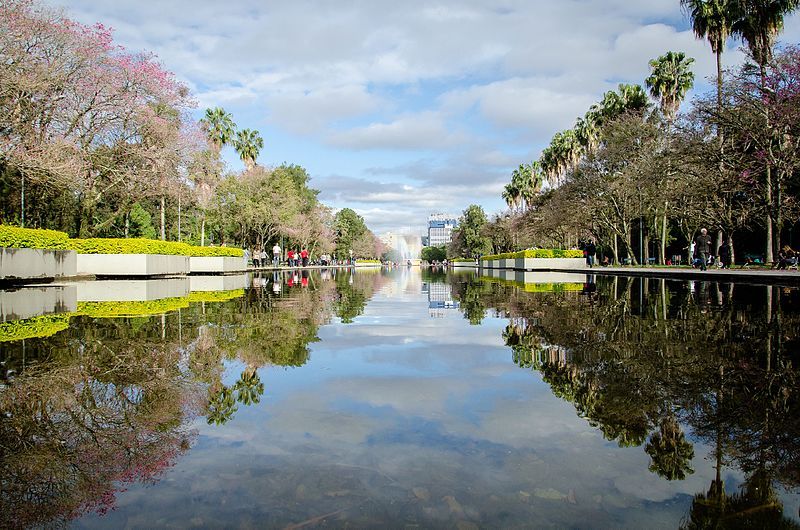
(399,417)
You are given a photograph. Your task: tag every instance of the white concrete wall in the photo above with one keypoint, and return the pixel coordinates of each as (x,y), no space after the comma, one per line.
(36,301)
(36,263)
(132,265)
(218,264)
(554,263)
(132,290)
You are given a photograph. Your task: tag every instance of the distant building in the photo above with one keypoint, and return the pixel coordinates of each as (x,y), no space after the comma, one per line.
(425,241)
(440,229)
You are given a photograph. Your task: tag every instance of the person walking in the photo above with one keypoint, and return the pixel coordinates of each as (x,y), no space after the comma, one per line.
(290,257)
(276,255)
(263,257)
(591,250)
(725,255)
(256,257)
(702,246)
(304,257)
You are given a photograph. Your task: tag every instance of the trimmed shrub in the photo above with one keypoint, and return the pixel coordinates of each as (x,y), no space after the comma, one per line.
(368,261)
(148,246)
(16,237)
(537,253)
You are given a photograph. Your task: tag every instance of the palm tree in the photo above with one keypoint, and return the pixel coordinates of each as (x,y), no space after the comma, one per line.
(758,22)
(249,387)
(713,20)
(219,127)
(511,195)
(670,78)
(670,453)
(248,144)
(534,178)
(221,406)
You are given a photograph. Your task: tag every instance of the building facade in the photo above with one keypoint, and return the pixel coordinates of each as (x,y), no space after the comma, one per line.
(440,229)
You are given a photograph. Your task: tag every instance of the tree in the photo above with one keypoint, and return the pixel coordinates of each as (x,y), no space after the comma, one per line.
(349,228)
(219,127)
(248,144)
(758,23)
(470,230)
(669,80)
(713,20)
(433,254)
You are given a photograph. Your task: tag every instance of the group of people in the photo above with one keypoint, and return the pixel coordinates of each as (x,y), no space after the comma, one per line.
(294,258)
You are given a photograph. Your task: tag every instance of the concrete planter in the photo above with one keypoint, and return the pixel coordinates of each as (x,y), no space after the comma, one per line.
(218,283)
(132,290)
(463,264)
(143,265)
(532,264)
(216,265)
(508,263)
(540,277)
(36,264)
(36,301)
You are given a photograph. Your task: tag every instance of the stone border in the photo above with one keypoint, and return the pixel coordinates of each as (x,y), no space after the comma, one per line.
(132,290)
(216,264)
(143,265)
(27,264)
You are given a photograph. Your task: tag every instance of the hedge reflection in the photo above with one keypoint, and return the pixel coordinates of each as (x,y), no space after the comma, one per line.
(642,360)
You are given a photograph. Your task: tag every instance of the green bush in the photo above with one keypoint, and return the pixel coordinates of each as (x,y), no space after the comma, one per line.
(368,261)
(148,246)
(16,237)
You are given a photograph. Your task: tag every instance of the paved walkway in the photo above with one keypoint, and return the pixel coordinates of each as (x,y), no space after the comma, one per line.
(789,277)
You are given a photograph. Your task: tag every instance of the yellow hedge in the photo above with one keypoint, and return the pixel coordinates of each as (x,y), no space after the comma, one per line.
(140,308)
(148,246)
(16,237)
(537,253)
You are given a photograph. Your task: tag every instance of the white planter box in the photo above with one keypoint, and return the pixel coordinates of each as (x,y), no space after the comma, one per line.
(132,290)
(36,301)
(36,263)
(218,283)
(217,264)
(133,265)
(532,264)
(463,264)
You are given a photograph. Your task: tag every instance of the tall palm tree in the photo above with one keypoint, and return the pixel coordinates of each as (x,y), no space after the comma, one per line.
(670,78)
(248,144)
(511,195)
(219,127)
(758,23)
(713,20)
(534,178)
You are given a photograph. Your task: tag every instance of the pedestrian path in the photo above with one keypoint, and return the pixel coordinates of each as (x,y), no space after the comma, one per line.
(790,277)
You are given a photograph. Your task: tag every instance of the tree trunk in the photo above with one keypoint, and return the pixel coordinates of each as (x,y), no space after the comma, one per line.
(163,219)
(730,244)
(663,256)
(203,232)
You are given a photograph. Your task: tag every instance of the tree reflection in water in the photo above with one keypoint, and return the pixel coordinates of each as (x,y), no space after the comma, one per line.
(643,359)
(110,402)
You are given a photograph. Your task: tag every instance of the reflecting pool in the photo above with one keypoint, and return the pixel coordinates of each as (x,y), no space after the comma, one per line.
(400,398)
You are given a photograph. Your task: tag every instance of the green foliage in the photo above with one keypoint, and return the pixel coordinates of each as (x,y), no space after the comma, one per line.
(470,234)
(42,326)
(141,223)
(349,227)
(16,237)
(148,246)
(431,254)
(368,262)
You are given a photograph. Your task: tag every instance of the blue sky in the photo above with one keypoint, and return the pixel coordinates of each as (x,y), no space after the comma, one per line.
(401,109)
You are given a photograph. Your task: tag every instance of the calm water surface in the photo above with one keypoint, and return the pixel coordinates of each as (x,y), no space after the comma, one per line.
(410,399)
